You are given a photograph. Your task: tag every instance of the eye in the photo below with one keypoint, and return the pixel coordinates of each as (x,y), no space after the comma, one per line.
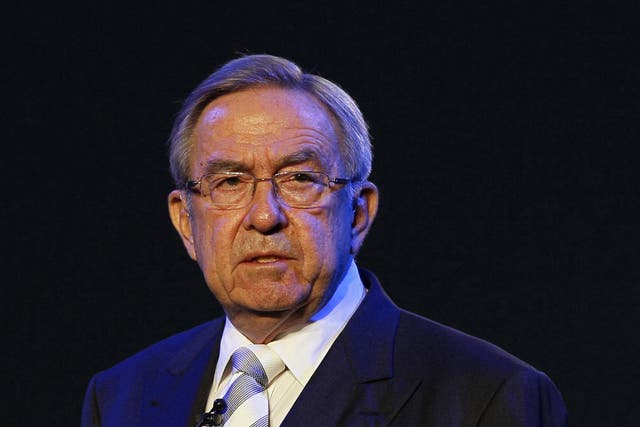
(225,182)
(302,177)
(296,181)
(231,181)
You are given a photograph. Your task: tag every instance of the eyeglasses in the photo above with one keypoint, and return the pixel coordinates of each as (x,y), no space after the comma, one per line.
(296,189)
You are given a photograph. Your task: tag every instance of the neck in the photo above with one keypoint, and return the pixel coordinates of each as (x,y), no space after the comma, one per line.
(262,328)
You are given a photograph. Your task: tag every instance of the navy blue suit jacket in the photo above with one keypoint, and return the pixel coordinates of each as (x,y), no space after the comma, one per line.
(387,367)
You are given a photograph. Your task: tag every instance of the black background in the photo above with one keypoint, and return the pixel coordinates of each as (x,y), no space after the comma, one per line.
(504,144)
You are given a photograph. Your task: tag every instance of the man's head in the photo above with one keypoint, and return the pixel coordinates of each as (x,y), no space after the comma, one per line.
(266,70)
(271,250)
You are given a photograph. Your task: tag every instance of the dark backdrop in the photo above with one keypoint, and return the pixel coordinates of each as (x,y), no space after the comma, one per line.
(504,149)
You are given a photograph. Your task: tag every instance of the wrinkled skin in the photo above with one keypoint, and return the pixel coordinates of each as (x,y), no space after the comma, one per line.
(269,265)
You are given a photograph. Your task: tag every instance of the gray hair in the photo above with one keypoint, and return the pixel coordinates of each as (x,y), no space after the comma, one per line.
(257,70)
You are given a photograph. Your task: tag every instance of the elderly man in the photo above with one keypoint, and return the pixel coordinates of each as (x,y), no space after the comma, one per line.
(273,203)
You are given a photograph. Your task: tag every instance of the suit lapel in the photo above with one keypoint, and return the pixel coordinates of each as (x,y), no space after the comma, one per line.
(174,391)
(355,383)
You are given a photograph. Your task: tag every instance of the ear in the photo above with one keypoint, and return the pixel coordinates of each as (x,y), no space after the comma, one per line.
(181,219)
(365,207)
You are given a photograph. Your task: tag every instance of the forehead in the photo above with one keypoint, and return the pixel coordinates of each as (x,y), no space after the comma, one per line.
(268,120)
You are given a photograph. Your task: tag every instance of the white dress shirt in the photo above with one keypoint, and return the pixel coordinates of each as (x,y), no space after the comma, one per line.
(301,350)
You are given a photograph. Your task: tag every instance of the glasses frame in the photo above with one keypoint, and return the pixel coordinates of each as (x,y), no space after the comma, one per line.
(195,186)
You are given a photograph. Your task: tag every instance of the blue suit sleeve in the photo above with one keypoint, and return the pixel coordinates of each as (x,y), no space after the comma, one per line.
(90,411)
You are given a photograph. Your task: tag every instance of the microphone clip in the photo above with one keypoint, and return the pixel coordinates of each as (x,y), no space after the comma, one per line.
(213,418)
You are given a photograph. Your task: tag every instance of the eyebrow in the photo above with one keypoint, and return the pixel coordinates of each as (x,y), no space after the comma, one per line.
(304,155)
(226,165)
(223,165)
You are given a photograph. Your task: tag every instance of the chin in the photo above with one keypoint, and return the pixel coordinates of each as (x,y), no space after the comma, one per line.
(277,306)
(276,303)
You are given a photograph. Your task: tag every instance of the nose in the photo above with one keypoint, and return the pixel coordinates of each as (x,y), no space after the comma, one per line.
(265,212)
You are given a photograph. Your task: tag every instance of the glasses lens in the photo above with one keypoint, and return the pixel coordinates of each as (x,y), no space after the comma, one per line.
(301,188)
(229,190)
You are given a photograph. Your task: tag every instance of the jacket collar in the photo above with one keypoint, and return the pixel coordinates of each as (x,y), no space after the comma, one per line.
(364,390)
(369,335)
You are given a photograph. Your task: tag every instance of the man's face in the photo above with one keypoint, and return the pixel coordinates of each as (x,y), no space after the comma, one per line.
(268,258)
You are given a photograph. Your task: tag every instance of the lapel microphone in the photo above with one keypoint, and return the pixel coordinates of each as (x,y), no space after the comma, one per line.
(213,418)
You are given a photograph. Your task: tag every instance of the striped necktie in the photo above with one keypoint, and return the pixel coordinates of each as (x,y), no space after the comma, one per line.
(247,403)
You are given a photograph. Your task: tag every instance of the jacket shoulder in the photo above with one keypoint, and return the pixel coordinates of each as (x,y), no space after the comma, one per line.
(449,348)
(472,380)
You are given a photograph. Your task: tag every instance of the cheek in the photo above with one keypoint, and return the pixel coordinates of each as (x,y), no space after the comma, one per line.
(213,246)
(325,240)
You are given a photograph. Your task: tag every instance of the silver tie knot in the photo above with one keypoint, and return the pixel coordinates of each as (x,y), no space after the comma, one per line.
(247,399)
(259,362)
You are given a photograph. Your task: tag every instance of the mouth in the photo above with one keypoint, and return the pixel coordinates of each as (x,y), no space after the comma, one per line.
(265,259)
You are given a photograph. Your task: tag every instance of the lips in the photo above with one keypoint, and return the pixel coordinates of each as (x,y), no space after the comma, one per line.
(265,258)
